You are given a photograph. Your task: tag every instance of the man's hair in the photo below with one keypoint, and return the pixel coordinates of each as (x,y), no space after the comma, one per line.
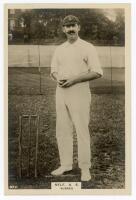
(70,19)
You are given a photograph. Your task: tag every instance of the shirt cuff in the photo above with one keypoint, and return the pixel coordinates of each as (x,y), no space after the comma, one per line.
(100,71)
(51,75)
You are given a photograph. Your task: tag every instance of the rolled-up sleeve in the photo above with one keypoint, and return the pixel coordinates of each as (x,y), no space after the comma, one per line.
(93,61)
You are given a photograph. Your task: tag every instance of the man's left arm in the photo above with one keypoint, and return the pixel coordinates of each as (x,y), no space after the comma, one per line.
(81,78)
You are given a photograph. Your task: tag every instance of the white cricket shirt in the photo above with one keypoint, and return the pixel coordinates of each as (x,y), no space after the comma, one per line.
(74,59)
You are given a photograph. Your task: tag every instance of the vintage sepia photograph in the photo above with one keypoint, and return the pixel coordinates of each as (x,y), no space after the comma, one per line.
(68,99)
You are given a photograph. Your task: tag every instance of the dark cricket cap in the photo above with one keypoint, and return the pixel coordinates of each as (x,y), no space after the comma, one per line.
(70,19)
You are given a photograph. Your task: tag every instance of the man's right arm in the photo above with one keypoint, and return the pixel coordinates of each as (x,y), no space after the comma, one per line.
(54,66)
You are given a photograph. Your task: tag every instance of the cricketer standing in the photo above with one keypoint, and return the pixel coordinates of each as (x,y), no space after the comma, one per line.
(74,64)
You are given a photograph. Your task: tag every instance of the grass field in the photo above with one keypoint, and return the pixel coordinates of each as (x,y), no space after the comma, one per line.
(107,130)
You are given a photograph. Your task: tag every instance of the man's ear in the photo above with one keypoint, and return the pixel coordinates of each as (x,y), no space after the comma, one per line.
(63,29)
(79,27)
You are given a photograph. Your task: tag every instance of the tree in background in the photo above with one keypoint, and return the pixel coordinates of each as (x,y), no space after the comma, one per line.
(44,25)
(120,27)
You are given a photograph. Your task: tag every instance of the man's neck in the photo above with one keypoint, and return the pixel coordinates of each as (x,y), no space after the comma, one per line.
(71,41)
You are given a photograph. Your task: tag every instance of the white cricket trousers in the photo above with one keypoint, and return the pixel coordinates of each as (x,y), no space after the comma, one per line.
(73,111)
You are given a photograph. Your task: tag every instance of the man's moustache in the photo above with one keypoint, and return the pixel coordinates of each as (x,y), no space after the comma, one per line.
(71,32)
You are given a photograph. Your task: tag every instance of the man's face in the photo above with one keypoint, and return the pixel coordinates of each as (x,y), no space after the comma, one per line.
(71,31)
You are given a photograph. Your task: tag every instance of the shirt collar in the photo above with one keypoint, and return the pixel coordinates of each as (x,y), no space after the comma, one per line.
(67,44)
